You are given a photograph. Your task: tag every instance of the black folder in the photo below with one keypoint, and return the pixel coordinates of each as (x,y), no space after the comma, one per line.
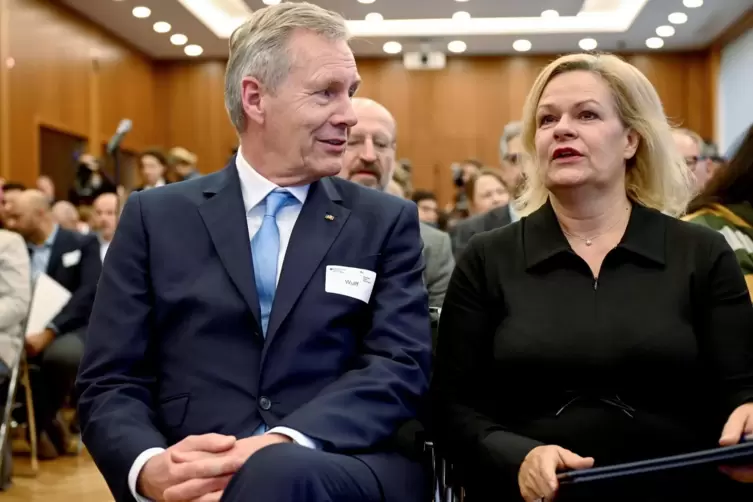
(739,454)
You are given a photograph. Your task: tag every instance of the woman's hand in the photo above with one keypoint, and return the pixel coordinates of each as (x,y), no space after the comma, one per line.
(738,426)
(537,477)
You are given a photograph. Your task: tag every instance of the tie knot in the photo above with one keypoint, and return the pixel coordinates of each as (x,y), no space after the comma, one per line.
(276,200)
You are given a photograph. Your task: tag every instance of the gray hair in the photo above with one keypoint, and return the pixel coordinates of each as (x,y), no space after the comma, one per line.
(259,48)
(511,131)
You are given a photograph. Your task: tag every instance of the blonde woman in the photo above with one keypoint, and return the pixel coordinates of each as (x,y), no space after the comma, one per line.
(599,329)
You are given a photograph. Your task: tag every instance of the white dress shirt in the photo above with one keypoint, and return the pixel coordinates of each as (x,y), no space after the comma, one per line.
(254,188)
(103,247)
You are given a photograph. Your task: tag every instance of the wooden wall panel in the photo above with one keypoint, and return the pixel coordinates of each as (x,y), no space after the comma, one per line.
(69,76)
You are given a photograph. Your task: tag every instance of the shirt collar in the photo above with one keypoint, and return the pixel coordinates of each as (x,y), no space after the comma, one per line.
(645,235)
(49,241)
(255,187)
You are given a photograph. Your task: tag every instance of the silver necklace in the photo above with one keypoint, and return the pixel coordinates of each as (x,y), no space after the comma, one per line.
(590,240)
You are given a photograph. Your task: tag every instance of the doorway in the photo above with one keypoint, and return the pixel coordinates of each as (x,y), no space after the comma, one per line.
(58,158)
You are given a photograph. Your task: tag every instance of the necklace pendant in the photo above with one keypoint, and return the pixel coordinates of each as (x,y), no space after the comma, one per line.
(589,242)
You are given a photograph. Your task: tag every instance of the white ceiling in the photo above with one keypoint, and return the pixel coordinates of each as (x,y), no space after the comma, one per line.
(703,25)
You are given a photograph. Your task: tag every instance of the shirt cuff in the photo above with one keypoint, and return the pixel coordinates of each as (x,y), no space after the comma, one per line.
(138,464)
(296,436)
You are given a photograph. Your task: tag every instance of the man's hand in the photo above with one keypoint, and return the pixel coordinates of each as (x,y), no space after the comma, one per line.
(37,342)
(205,477)
(193,490)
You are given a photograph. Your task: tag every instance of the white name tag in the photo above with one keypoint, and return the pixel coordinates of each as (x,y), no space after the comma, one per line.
(71,258)
(353,282)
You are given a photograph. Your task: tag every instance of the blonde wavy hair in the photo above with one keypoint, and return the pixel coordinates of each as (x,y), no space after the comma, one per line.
(657,176)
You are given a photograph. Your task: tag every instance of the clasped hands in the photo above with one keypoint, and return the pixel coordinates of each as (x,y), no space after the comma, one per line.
(199,468)
(537,477)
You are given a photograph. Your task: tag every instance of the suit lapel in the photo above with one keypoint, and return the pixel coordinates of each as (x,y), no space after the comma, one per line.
(321,219)
(225,218)
(56,253)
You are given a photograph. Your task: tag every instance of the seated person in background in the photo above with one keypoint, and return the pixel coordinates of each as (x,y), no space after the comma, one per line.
(726,205)
(90,181)
(369,160)
(72,260)
(490,194)
(596,330)
(15,293)
(262,332)
(66,215)
(691,147)
(428,208)
(11,191)
(183,163)
(153,168)
(105,216)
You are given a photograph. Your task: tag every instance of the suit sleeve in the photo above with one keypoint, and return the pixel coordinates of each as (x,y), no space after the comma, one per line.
(367,404)
(75,315)
(15,281)
(461,396)
(438,278)
(117,375)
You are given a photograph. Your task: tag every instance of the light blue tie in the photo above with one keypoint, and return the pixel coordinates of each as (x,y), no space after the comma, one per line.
(265,249)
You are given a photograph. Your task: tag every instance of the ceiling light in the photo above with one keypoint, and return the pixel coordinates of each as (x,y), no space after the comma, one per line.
(193,50)
(521,45)
(654,43)
(271,2)
(178,39)
(457,46)
(461,16)
(392,47)
(588,44)
(678,18)
(374,17)
(162,27)
(665,31)
(461,1)
(141,12)
(692,4)
(550,14)
(365,1)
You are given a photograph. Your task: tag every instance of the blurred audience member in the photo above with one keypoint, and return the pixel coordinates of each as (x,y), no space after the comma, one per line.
(726,205)
(90,181)
(462,174)
(106,212)
(714,160)
(66,215)
(153,168)
(394,188)
(401,174)
(183,163)
(691,147)
(428,208)
(615,331)
(47,187)
(11,191)
(73,261)
(369,160)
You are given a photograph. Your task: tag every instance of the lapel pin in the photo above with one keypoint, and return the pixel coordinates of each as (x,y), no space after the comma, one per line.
(329,217)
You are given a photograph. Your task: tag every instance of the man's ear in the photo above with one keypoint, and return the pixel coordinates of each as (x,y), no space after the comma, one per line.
(251,97)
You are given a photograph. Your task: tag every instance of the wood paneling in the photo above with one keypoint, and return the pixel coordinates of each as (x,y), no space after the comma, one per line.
(68,76)
(443,116)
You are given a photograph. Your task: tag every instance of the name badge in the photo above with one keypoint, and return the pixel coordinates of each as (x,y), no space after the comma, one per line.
(347,281)
(71,258)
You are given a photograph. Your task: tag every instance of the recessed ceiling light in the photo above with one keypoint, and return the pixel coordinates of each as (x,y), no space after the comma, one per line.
(374,17)
(141,12)
(665,31)
(522,45)
(692,4)
(457,46)
(392,47)
(271,2)
(678,18)
(588,44)
(461,16)
(461,1)
(549,14)
(654,43)
(162,27)
(193,50)
(365,1)
(178,39)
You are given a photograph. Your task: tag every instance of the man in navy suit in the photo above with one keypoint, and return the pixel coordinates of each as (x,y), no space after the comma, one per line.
(262,332)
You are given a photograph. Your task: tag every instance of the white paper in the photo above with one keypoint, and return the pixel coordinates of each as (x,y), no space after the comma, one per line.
(71,258)
(47,300)
(353,282)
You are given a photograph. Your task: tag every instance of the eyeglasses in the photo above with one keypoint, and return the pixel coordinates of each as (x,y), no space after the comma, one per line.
(514,158)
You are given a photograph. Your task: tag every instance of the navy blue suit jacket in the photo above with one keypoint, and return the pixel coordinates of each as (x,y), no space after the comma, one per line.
(80,278)
(174,347)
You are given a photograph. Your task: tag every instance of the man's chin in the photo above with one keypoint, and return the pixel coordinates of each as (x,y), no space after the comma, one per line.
(365,179)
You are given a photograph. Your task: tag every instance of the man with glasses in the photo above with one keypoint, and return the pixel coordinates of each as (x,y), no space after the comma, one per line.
(691,145)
